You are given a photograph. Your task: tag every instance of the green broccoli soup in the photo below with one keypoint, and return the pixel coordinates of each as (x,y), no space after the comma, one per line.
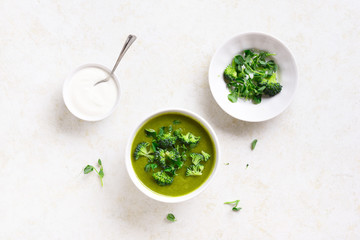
(173,154)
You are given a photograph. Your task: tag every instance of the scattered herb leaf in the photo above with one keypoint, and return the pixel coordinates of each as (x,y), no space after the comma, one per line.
(90,168)
(176,122)
(235,203)
(247,165)
(171,217)
(235,209)
(227,163)
(253,144)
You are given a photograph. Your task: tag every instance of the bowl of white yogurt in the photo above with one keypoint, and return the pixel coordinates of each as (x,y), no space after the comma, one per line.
(89,102)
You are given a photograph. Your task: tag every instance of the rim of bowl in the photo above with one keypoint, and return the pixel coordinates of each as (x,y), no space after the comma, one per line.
(152,194)
(65,92)
(291,56)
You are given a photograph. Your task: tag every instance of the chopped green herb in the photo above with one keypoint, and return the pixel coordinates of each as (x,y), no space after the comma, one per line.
(235,203)
(226,163)
(233,97)
(149,166)
(90,168)
(251,75)
(247,165)
(150,132)
(253,144)
(171,217)
(176,122)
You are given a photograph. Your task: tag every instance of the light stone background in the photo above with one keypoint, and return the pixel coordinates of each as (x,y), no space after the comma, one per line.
(303,179)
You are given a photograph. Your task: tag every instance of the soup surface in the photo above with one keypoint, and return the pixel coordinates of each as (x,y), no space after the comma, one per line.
(182,184)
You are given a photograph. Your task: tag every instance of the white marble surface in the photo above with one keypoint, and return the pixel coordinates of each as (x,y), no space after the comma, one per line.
(303,179)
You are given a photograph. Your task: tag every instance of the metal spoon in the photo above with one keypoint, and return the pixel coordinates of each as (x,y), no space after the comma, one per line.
(127,44)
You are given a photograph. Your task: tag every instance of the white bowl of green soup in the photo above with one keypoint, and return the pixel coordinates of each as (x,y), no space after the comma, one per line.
(172,155)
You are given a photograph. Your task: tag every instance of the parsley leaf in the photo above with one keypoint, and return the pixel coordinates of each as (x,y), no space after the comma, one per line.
(171,217)
(253,144)
(233,96)
(150,166)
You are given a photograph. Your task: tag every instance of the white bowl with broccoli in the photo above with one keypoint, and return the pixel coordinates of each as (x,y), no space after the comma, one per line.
(172,155)
(253,77)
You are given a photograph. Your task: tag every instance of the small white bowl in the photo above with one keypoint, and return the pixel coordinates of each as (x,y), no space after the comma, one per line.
(152,194)
(246,110)
(66,95)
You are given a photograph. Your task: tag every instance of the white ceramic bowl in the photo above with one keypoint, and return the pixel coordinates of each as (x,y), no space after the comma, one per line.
(150,193)
(66,95)
(269,107)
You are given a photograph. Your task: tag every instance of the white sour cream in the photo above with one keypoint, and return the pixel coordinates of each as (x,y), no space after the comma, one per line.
(87,101)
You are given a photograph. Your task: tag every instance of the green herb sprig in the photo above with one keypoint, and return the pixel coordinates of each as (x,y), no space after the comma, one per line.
(235,203)
(90,168)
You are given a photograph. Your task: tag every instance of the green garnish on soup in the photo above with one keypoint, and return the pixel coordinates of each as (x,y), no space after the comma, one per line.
(173,154)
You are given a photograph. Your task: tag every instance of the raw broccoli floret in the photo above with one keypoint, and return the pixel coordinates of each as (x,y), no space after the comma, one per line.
(160,157)
(194,170)
(171,155)
(188,138)
(142,151)
(162,178)
(196,158)
(273,87)
(230,73)
(166,140)
(206,155)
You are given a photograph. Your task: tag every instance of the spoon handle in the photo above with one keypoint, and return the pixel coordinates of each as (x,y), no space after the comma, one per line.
(128,42)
